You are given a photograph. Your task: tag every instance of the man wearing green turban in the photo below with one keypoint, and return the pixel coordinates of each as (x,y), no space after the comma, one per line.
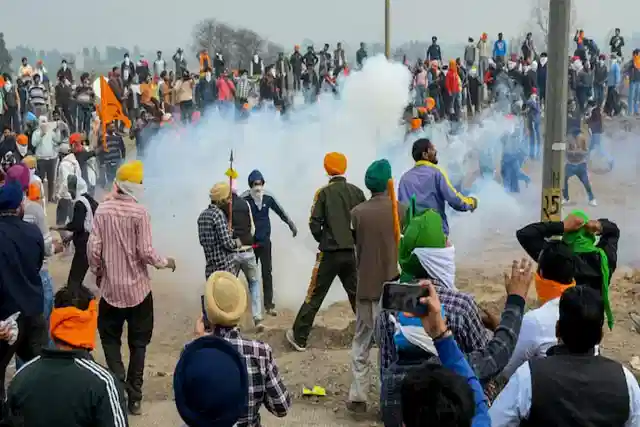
(594,243)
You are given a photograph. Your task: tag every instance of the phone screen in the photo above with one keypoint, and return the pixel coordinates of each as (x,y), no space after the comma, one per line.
(207,324)
(404,297)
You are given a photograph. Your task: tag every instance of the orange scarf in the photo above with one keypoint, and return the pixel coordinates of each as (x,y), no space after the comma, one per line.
(75,327)
(548,290)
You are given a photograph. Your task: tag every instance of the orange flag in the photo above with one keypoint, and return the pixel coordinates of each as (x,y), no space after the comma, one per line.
(109,109)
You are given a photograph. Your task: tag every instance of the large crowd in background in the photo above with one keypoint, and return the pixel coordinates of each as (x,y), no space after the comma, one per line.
(452,364)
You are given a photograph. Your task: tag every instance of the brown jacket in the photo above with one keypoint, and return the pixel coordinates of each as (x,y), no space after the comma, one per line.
(376,248)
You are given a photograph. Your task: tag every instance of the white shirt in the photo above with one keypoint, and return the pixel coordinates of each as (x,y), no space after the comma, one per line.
(537,335)
(513,404)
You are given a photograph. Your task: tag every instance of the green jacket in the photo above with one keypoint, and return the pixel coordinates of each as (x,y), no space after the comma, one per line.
(330,221)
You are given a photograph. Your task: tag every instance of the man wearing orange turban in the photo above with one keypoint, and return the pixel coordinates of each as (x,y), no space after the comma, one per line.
(330,225)
(42,398)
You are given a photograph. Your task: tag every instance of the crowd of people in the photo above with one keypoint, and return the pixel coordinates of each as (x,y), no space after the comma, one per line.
(451,364)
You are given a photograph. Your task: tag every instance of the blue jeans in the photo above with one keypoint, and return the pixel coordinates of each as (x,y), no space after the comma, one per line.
(47,288)
(421,96)
(580,171)
(511,172)
(634,97)
(598,94)
(246,262)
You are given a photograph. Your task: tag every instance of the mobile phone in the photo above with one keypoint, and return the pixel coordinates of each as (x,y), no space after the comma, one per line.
(404,297)
(205,319)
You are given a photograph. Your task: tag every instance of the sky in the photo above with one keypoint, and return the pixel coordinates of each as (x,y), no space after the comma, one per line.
(64,25)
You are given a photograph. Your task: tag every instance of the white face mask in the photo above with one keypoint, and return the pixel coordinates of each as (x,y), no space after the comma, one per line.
(273,72)
(543,60)
(8,86)
(601,61)
(255,58)
(64,66)
(127,60)
(257,190)
(207,77)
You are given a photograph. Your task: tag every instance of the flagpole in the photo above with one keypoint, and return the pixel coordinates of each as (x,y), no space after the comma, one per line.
(231,174)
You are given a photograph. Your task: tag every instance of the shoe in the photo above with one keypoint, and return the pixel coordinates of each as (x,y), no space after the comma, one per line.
(258,324)
(292,341)
(272,312)
(566,201)
(357,407)
(135,408)
(593,202)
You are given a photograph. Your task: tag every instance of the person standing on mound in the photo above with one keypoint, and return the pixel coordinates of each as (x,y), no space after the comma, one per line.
(330,225)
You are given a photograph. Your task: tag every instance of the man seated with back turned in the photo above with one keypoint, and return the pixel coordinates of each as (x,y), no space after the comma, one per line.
(65,386)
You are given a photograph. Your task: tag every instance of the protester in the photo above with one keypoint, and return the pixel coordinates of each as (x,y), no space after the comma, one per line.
(68,167)
(214,232)
(113,154)
(119,250)
(261,203)
(447,395)
(377,260)
(46,152)
(22,254)
(81,223)
(225,301)
(37,397)
(571,383)
(430,185)
(577,165)
(595,263)
(330,226)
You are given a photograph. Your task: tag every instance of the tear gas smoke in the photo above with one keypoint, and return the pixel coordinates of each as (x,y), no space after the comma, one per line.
(364,124)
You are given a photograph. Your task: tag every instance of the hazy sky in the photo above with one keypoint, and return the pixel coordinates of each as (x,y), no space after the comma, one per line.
(152,24)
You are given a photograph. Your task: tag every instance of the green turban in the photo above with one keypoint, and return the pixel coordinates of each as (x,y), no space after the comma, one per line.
(581,242)
(422,231)
(377,176)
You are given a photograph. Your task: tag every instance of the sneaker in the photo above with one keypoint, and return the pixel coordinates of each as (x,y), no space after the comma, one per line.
(566,201)
(259,325)
(593,202)
(292,341)
(272,312)
(135,408)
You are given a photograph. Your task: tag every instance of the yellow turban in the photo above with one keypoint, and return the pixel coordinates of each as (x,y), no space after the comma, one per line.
(335,163)
(30,162)
(132,172)
(220,191)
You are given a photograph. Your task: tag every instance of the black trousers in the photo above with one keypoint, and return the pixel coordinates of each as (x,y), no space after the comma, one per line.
(297,76)
(32,336)
(46,169)
(612,104)
(328,266)
(263,256)
(80,262)
(139,330)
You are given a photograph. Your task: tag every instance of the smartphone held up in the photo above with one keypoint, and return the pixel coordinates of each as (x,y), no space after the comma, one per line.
(404,297)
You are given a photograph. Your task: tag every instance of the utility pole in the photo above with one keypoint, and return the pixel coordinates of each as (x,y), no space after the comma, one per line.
(555,109)
(387,28)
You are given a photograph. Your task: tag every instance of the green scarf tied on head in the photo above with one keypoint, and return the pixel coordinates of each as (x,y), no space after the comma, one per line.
(582,242)
(421,231)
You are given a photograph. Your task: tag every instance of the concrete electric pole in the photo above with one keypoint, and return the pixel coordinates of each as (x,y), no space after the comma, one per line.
(387,28)
(555,135)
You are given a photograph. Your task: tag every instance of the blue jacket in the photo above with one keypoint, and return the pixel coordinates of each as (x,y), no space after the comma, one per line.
(615,75)
(21,258)
(432,189)
(261,220)
(453,359)
(500,48)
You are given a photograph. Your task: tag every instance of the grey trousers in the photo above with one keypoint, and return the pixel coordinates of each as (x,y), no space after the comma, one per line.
(363,339)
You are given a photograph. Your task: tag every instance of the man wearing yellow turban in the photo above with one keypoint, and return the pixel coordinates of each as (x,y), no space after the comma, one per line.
(330,225)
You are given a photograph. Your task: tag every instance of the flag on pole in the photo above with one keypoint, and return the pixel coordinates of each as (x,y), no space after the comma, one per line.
(232,174)
(109,109)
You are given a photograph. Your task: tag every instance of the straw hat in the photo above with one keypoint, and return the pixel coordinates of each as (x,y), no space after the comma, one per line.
(225,299)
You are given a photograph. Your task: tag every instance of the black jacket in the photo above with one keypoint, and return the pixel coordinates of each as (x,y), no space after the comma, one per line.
(330,221)
(65,388)
(21,258)
(533,238)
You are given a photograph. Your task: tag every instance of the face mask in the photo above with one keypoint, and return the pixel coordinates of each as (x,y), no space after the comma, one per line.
(127,60)
(64,66)
(8,86)
(257,190)
(543,60)
(273,72)
(255,58)
(207,77)
(601,62)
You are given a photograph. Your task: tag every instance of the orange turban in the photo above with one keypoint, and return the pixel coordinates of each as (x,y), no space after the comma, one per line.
(34,193)
(74,326)
(430,103)
(22,140)
(416,124)
(548,290)
(335,163)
